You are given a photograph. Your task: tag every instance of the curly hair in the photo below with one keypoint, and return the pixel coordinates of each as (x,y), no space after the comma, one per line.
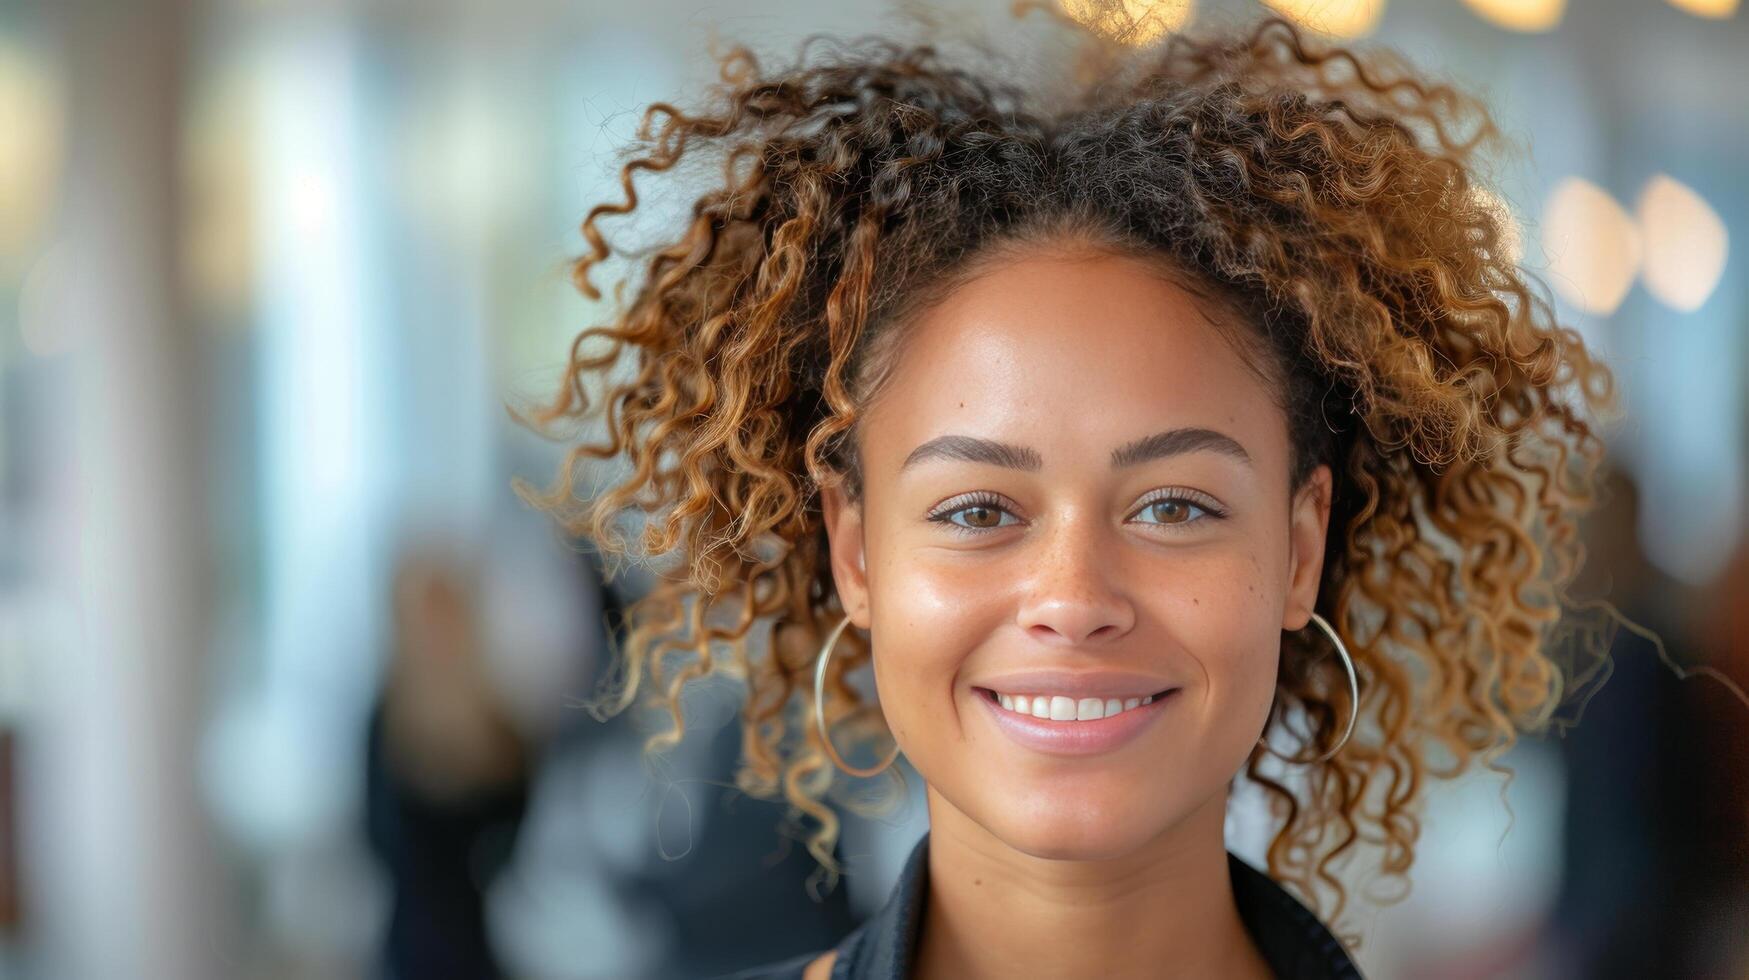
(1326,195)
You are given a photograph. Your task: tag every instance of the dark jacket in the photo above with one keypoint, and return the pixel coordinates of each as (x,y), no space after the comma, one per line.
(1296,945)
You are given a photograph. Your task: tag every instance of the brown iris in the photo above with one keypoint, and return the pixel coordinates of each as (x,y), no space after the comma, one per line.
(972,515)
(1171,511)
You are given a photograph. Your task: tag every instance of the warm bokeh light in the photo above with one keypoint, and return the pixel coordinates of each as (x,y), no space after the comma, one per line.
(1336,18)
(1529,16)
(219,161)
(1717,9)
(1135,22)
(30,148)
(1683,241)
(1592,244)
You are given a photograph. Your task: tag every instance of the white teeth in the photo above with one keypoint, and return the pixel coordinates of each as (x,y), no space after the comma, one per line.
(1060,708)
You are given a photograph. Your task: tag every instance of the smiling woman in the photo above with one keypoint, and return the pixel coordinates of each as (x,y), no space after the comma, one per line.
(1119,421)
(1091,543)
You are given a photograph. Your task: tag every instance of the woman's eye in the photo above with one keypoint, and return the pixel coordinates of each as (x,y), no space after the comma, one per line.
(1173,511)
(976,516)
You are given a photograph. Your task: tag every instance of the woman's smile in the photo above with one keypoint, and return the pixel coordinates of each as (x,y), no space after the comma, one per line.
(1073,712)
(1076,726)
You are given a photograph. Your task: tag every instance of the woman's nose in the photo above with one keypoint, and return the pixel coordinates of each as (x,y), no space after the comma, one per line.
(1073,596)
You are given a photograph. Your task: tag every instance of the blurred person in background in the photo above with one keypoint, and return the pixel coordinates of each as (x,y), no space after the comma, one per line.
(1657,821)
(478,708)
(1718,853)
(447,775)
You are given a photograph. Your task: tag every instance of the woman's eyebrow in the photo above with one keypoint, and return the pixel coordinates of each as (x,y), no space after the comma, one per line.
(1172,442)
(1175,441)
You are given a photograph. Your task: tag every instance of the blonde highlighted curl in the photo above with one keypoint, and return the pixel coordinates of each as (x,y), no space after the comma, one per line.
(1330,198)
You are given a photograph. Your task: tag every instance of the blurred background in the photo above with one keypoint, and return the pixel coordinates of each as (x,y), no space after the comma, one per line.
(286,670)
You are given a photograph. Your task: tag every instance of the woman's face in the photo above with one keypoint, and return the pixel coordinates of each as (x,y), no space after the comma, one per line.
(1075,489)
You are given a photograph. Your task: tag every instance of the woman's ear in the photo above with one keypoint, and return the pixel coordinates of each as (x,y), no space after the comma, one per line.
(1308,527)
(844,534)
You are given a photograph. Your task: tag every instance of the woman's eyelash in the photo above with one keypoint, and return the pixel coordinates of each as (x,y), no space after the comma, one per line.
(1201,502)
(944,514)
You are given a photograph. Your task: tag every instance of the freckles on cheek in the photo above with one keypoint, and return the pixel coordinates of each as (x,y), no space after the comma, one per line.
(1260,604)
(1234,588)
(1227,617)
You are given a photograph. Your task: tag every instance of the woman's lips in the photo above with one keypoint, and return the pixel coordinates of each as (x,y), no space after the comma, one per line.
(1076,737)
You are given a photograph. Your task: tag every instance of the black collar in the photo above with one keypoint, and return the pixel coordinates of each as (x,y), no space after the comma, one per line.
(1295,944)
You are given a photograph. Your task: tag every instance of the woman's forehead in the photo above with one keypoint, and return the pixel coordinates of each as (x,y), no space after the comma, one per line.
(1070,349)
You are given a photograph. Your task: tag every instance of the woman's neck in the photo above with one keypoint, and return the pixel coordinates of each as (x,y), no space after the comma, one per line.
(994,912)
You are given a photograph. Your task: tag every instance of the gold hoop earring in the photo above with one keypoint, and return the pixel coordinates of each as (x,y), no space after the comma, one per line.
(1353,699)
(820,661)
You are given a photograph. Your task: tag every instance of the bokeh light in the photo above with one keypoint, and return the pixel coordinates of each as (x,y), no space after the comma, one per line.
(1593,246)
(1683,243)
(1336,18)
(219,166)
(1716,9)
(1528,16)
(30,147)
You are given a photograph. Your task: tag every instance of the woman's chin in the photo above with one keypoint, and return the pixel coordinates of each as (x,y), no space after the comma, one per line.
(1079,833)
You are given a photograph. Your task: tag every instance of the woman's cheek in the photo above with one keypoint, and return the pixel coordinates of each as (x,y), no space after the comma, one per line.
(925,627)
(1229,625)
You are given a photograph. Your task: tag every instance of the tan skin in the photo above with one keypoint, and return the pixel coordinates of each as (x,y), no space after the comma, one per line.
(1113,864)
